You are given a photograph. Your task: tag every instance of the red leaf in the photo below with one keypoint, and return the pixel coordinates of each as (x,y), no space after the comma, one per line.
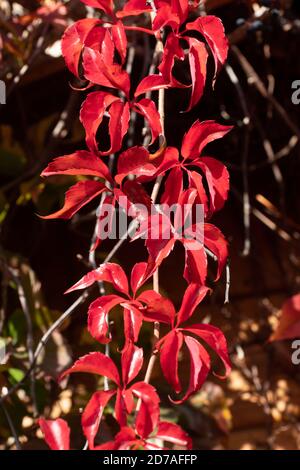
(56,432)
(95,363)
(134,161)
(92,415)
(133,320)
(215,339)
(217,178)
(128,400)
(132,361)
(147,108)
(158,308)
(169,159)
(118,125)
(97,316)
(120,39)
(148,414)
(96,39)
(166,16)
(198,59)
(289,321)
(120,408)
(76,197)
(173,187)
(138,201)
(182,219)
(107,50)
(181,8)
(199,368)
(172,51)
(91,116)
(108,272)
(134,8)
(170,348)
(215,242)
(137,276)
(193,295)
(73,42)
(109,445)
(125,439)
(201,134)
(78,163)
(196,181)
(100,72)
(195,269)
(151,83)
(173,433)
(212,29)
(158,251)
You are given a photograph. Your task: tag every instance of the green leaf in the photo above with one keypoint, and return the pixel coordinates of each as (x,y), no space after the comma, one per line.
(16,374)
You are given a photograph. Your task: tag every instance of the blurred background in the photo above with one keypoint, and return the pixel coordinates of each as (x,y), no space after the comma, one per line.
(258,407)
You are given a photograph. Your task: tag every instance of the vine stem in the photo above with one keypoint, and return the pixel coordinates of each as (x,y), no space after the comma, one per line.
(154,194)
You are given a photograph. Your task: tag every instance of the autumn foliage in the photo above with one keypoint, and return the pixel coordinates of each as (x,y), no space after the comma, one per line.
(95,50)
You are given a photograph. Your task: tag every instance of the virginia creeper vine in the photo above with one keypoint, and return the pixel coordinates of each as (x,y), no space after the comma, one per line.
(95,50)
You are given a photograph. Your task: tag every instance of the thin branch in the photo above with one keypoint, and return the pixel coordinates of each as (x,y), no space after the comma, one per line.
(285,151)
(155,191)
(266,220)
(271,158)
(30,342)
(92,259)
(11,425)
(227,285)
(13,274)
(245,153)
(255,81)
(43,341)
(40,45)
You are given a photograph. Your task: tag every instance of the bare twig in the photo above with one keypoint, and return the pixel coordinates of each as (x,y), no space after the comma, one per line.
(155,191)
(255,81)
(92,262)
(227,286)
(30,342)
(11,426)
(266,220)
(271,158)
(40,44)
(43,341)
(246,141)
(14,275)
(285,151)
